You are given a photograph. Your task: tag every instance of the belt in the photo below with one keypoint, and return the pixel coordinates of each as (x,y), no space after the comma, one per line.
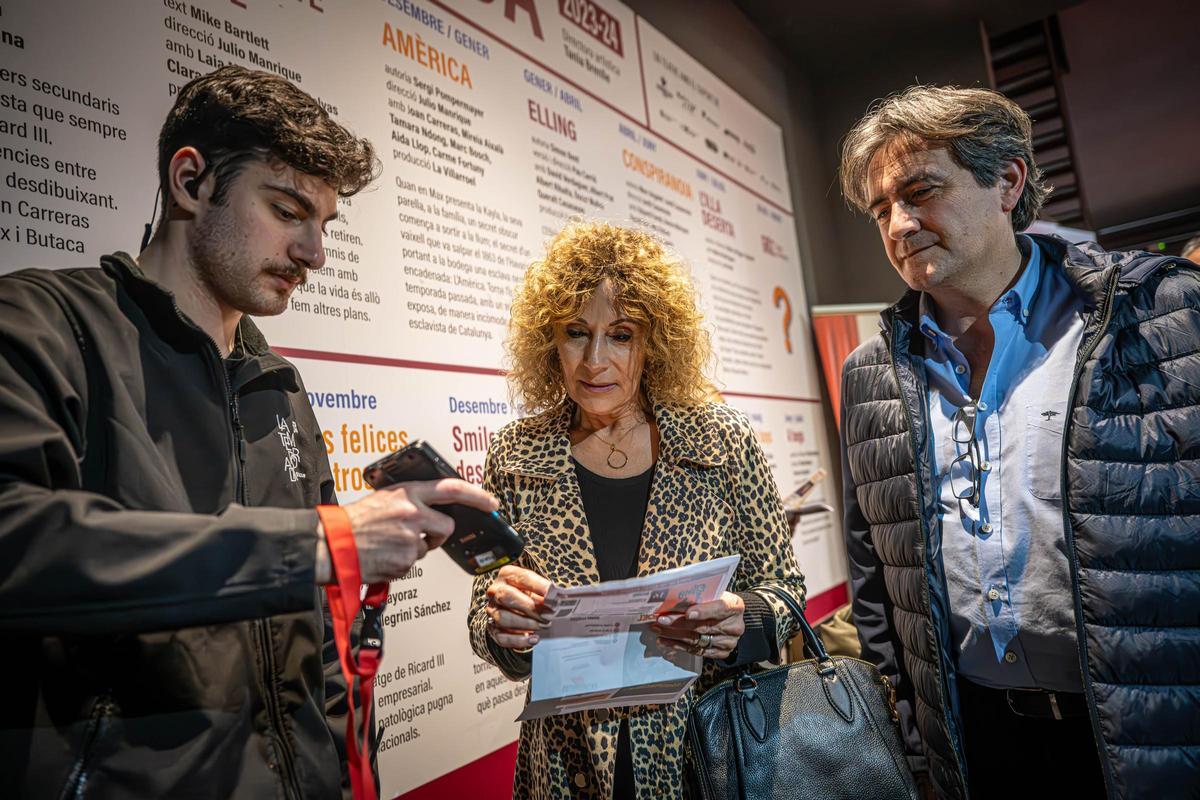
(1046,705)
(1037,703)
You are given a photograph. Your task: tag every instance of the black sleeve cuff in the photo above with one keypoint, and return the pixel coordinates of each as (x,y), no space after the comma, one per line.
(516,666)
(758,642)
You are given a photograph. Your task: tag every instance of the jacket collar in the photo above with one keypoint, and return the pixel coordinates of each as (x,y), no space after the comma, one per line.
(158,304)
(687,434)
(1087,267)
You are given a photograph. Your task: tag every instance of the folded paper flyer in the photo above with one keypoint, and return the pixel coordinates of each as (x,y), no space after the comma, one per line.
(599,651)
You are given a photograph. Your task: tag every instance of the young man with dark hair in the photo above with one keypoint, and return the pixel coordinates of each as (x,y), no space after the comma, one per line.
(1019,460)
(159,473)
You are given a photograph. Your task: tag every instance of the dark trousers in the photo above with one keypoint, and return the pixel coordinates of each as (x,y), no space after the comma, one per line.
(1010,755)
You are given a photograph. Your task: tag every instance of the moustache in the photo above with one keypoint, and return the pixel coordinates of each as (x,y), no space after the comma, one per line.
(297,275)
(914,248)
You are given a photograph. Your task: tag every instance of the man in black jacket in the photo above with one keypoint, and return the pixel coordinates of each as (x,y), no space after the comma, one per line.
(159,473)
(1019,460)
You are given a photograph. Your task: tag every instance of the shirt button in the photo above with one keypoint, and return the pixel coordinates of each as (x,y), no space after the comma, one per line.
(580,780)
(985,527)
(960,369)
(1010,657)
(985,466)
(982,405)
(1025,312)
(993,593)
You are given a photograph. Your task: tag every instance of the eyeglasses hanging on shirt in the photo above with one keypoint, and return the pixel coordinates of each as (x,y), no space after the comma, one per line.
(963,433)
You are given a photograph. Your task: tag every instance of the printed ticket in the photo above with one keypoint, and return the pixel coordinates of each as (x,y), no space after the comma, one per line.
(599,651)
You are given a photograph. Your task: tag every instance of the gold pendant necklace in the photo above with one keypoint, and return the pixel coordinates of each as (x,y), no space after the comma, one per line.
(612,451)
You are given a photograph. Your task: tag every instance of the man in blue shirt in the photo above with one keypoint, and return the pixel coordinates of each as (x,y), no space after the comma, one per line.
(1016,596)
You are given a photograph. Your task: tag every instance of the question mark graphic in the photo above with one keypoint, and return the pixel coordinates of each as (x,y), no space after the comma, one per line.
(780,294)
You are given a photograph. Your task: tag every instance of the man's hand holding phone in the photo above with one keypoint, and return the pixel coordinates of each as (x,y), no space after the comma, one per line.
(395,527)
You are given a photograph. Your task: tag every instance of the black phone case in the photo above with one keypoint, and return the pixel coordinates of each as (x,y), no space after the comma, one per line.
(481,542)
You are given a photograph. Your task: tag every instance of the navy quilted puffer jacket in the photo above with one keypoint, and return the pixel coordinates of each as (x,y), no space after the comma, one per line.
(1131,516)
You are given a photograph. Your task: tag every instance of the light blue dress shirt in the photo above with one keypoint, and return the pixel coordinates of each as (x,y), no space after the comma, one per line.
(1012,617)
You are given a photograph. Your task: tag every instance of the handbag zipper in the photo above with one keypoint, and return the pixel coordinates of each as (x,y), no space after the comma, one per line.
(890,691)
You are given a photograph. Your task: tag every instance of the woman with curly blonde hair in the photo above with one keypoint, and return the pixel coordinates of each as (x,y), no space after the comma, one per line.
(624,470)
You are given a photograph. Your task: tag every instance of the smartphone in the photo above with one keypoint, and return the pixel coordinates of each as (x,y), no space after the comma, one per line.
(481,541)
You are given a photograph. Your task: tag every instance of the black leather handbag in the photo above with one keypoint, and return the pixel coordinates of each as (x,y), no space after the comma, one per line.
(822,728)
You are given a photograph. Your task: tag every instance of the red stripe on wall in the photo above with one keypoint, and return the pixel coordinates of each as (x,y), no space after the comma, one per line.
(772,397)
(487,778)
(824,604)
(380,361)
(405,363)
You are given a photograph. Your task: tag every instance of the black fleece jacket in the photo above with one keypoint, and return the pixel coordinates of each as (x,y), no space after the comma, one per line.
(163,633)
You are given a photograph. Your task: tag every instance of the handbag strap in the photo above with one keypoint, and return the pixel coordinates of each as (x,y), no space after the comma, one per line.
(812,642)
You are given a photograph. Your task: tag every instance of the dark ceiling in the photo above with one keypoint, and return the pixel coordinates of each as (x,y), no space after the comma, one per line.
(1123,85)
(831,37)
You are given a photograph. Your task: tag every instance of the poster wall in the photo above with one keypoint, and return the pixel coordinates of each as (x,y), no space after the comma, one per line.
(496,122)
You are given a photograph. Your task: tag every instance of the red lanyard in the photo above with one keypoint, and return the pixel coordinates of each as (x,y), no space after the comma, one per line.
(344,605)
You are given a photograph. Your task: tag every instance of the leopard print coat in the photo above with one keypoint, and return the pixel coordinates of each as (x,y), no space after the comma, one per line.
(712,496)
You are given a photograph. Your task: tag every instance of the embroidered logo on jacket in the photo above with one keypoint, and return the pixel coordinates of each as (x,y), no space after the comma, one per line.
(1049,414)
(291,459)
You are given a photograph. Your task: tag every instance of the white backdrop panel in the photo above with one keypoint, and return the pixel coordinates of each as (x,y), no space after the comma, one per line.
(495,122)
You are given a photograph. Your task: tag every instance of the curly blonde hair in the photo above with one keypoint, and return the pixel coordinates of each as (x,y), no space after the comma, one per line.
(649,285)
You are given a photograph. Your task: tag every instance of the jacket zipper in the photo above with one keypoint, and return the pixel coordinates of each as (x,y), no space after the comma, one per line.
(951,725)
(287,768)
(239,439)
(287,765)
(1081,644)
(77,782)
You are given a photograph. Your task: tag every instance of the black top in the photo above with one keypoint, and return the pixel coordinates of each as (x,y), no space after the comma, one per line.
(615,510)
